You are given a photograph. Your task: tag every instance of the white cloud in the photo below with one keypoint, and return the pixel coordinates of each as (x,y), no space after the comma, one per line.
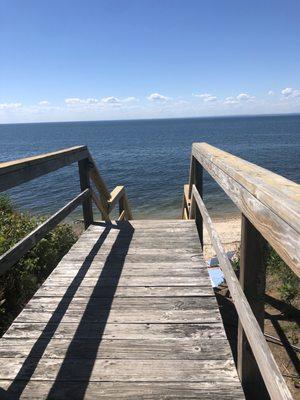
(271,93)
(111,100)
(240,98)
(73,101)
(290,92)
(10,106)
(129,99)
(244,97)
(44,103)
(230,100)
(207,97)
(156,97)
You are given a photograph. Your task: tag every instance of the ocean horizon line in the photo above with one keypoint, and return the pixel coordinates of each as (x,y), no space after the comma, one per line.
(287,114)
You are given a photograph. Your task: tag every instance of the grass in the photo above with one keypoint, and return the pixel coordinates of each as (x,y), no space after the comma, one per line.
(19,283)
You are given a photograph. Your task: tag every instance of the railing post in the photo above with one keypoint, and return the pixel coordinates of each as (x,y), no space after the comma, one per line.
(121,205)
(196,178)
(87,206)
(253,282)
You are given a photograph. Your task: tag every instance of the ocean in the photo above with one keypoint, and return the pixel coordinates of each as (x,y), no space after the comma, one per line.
(150,157)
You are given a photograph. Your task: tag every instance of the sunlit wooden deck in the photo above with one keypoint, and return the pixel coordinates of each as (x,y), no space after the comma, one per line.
(129,313)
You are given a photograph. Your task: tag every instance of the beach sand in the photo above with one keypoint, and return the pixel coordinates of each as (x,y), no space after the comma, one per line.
(229,230)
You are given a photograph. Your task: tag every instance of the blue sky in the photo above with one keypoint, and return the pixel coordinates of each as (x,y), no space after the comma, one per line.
(92,60)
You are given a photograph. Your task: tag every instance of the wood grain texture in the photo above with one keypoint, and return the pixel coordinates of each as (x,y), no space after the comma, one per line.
(279,194)
(16,172)
(28,330)
(269,201)
(252,278)
(270,372)
(124,315)
(39,390)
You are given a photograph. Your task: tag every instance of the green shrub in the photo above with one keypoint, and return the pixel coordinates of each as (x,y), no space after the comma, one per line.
(289,287)
(22,280)
(287,283)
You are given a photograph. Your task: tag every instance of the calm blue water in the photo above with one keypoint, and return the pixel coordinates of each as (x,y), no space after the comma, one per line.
(150,157)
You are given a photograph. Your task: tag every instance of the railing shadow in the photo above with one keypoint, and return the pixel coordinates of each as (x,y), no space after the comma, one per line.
(31,362)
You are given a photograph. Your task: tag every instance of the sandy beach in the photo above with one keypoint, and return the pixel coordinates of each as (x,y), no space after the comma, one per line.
(229,230)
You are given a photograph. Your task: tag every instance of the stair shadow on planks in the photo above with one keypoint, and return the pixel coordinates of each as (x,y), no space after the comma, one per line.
(97,308)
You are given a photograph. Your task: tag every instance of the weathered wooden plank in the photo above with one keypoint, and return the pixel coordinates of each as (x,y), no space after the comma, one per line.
(140,331)
(149,256)
(127,207)
(125,349)
(273,379)
(280,194)
(115,196)
(122,216)
(148,305)
(126,291)
(113,271)
(118,370)
(252,279)
(120,315)
(101,207)
(97,179)
(39,390)
(139,241)
(16,172)
(269,201)
(91,267)
(97,319)
(127,281)
(9,258)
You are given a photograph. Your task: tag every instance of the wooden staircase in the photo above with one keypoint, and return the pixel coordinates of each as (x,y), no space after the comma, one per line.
(129,312)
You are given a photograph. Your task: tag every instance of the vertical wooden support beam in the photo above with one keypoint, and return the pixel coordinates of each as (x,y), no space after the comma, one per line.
(253,282)
(87,206)
(121,205)
(196,178)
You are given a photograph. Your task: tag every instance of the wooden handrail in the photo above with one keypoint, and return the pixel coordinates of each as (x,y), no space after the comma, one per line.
(270,372)
(13,173)
(270,207)
(269,201)
(13,255)
(115,196)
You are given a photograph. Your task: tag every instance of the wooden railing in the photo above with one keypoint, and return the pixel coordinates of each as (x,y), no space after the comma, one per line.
(14,173)
(270,207)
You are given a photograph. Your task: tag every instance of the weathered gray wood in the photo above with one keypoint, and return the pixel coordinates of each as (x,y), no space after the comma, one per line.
(125,291)
(147,256)
(87,207)
(97,179)
(271,374)
(269,201)
(126,349)
(253,281)
(127,208)
(16,172)
(123,310)
(115,197)
(128,281)
(118,370)
(31,330)
(37,390)
(9,258)
(275,191)
(103,316)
